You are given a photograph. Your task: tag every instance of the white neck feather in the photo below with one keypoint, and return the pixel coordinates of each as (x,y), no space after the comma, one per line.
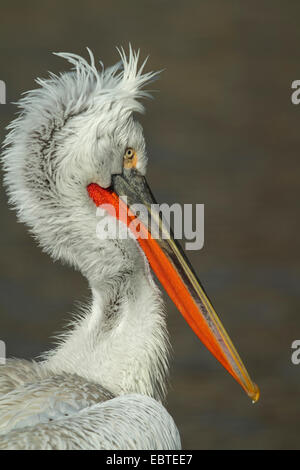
(120,342)
(73,131)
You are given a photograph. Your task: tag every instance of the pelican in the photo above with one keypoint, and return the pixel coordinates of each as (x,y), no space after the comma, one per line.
(77,148)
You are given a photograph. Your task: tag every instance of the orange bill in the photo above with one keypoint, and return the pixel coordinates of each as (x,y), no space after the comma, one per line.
(172,268)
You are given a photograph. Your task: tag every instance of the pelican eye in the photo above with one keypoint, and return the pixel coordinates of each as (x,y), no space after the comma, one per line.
(130,158)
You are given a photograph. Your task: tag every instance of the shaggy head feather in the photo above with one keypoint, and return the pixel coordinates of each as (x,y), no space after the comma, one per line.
(72,131)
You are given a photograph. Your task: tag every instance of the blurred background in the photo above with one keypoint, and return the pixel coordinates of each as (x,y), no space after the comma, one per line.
(221,131)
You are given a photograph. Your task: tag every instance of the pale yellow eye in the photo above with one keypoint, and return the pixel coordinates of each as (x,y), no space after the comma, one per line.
(130,158)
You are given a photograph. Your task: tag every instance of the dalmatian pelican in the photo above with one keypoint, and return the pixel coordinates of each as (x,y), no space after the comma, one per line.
(76,148)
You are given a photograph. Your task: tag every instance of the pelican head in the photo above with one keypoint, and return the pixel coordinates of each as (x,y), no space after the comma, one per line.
(77,145)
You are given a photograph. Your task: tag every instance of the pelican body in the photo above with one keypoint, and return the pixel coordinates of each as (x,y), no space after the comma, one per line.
(77,147)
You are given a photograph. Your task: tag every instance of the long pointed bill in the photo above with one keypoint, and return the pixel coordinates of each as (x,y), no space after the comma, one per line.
(171,267)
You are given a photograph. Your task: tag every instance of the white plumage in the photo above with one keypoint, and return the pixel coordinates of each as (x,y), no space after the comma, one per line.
(101,387)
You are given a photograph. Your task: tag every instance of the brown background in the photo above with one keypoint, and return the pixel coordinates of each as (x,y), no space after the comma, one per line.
(223,132)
